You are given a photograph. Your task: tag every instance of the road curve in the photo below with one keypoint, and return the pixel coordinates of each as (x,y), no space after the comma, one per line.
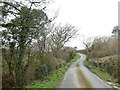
(73,80)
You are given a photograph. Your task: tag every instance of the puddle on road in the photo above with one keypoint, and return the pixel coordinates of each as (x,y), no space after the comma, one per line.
(82,79)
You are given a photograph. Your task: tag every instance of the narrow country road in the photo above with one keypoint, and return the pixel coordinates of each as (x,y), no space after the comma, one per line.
(78,76)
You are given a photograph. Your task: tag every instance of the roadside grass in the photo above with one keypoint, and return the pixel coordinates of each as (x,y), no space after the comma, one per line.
(103,75)
(54,79)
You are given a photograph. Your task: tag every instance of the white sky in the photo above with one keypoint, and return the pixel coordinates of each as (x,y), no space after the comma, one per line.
(92,17)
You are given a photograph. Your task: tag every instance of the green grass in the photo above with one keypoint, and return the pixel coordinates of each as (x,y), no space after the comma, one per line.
(54,79)
(103,75)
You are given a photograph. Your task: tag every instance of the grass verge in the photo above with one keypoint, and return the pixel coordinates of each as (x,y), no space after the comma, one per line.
(53,80)
(103,75)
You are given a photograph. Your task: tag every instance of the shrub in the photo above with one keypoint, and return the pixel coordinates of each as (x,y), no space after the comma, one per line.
(8,81)
(41,72)
(70,51)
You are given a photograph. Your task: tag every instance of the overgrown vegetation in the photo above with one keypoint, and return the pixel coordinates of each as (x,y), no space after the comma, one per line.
(98,71)
(54,79)
(32,47)
(102,56)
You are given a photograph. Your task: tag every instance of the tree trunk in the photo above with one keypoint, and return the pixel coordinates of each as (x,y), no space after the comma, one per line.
(20,73)
(12,59)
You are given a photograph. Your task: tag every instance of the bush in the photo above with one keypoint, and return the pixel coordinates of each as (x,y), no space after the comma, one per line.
(63,55)
(30,72)
(41,72)
(70,51)
(99,54)
(51,62)
(8,81)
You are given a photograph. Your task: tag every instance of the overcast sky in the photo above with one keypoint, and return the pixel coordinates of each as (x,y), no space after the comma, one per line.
(92,17)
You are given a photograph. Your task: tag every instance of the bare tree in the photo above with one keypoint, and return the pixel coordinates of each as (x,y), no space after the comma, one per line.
(88,43)
(61,35)
(42,40)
